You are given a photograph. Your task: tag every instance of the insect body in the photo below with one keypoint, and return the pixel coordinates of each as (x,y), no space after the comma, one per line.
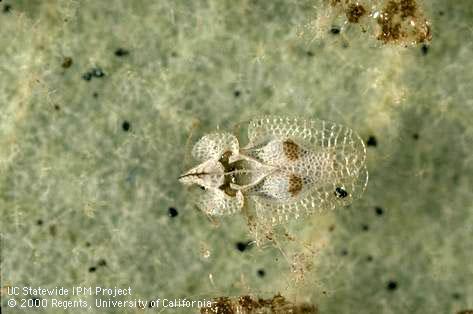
(290,167)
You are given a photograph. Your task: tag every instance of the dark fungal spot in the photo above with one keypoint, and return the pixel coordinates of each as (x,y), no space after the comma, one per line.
(172,212)
(39,222)
(335,30)
(97,72)
(310,53)
(242,246)
(87,76)
(237,93)
(365,227)
(67,62)
(369,258)
(354,12)
(6,8)
(379,211)
(372,141)
(57,107)
(126,126)
(120,52)
(424,49)
(392,285)
(102,262)
(340,192)
(415,136)
(92,269)
(261,272)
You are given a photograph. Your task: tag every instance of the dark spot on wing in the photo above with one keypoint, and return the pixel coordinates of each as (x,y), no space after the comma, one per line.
(291,150)
(295,185)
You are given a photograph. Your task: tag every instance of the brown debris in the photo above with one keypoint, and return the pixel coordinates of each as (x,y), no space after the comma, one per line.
(354,12)
(408,8)
(396,21)
(402,21)
(249,305)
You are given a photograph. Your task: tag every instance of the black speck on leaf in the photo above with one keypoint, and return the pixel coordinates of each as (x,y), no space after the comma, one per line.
(92,269)
(242,246)
(424,49)
(392,285)
(261,272)
(372,141)
(335,30)
(120,52)
(379,211)
(126,126)
(87,76)
(6,8)
(172,212)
